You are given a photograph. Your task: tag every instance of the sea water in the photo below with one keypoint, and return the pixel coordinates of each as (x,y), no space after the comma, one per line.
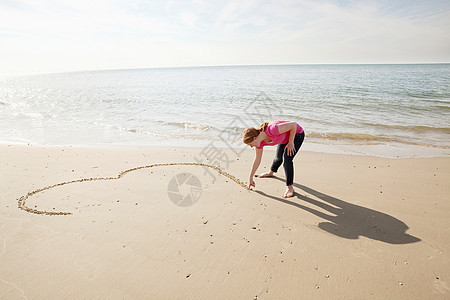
(385,110)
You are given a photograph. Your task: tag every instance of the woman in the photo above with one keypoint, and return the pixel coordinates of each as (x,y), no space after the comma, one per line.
(288,136)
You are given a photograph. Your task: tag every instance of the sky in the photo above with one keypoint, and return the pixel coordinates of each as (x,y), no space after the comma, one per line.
(44,36)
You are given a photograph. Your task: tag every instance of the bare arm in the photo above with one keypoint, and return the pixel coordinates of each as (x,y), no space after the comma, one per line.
(256,163)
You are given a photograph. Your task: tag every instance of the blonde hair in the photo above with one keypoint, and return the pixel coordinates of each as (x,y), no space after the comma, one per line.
(250,133)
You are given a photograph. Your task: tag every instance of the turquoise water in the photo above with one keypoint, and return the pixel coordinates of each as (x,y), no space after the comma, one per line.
(386,110)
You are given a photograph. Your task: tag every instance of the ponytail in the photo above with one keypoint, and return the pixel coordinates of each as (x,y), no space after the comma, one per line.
(263,126)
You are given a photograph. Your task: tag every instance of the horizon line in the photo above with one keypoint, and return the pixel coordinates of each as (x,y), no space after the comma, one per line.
(214,66)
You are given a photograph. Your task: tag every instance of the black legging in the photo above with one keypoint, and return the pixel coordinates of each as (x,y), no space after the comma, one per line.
(282,155)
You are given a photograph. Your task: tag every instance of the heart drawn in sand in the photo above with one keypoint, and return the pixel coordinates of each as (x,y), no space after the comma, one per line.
(22,200)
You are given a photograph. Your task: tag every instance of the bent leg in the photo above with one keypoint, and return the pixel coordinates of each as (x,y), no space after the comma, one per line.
(278,160)
(288,159)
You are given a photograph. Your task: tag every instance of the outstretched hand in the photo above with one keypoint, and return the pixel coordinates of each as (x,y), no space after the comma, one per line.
(251,183)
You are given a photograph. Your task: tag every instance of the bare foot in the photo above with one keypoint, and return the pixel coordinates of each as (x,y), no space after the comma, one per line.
(289,192)
(267,174)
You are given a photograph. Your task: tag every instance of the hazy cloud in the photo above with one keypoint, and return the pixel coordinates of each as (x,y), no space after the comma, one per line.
(64,35)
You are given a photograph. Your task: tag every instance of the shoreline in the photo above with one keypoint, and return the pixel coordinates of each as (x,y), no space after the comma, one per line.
(357,227)
(380,151)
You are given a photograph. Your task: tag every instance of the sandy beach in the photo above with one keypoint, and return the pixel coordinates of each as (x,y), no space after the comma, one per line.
(358,227)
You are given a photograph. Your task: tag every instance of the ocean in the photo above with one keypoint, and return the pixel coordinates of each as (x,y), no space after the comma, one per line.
(384,110)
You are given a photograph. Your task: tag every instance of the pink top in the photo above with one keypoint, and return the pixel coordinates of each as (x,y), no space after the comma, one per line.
(273,133)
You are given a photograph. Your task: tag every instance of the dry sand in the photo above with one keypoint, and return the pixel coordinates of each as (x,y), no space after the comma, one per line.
(358,227)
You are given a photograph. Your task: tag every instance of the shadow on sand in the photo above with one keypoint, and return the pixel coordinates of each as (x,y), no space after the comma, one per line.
(348,220)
